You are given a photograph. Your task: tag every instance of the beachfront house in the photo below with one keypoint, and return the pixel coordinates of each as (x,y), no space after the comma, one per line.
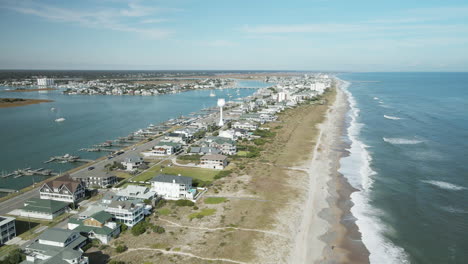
(63,189)
(225,145)
(56,245)
(132,163)
(127,212)
(99,180)
(136,192)
(176,138)
(213,161)
(173,187)
(251,126)
(7,229)
(43,209)
(163,149)
(203,150)
(97,226)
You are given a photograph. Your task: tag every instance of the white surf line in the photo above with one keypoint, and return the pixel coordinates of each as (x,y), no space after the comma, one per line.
(181,254)
(224,228)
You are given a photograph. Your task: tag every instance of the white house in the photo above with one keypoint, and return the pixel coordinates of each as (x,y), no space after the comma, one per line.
(245,125)
(213,161)
(163,149)
(45,81)
(126,212)
(7,229)
(173,187)
(132,163)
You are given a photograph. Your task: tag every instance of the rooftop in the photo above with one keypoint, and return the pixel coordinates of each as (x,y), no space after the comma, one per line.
(172,178)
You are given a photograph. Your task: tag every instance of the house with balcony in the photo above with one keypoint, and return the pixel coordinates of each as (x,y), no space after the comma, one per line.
(63,189)
(213,161)
(97,226)
(126,212)
(132,163)
(173,187)
(101,180)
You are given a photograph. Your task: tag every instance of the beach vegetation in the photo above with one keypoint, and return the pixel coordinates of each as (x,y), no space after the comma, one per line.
(202,213)
(215,200)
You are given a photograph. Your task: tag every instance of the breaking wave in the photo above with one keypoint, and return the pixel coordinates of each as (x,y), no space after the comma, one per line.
(402,141)
(392,117)
(356,168)
(446,185)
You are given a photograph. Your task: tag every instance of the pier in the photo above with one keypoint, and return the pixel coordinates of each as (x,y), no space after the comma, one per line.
(8,190)
(97,150)
(30,172)
(67,158)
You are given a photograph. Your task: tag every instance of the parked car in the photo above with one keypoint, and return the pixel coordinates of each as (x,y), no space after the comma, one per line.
(91,168)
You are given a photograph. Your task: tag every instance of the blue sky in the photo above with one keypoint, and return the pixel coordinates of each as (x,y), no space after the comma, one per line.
(336,35)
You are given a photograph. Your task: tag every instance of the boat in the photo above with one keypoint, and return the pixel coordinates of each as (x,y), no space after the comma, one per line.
(61,119)
(212,94)
(53,109)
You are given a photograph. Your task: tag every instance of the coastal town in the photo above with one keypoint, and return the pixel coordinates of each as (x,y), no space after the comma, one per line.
(153,182)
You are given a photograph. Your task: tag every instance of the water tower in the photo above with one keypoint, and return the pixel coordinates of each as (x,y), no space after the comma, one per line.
(221,103)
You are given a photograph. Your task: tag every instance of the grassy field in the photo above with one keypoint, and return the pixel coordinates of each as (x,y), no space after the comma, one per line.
(206,175)
(215,200)
(202,213)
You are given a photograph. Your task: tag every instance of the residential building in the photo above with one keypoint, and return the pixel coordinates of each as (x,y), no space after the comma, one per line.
(43,209)
(136,192)
(213,161)
(127,212)
(97,226)
(203,150)
(45,81)
(163,149)
(245,125)
(102,180)
(57,246)
(173,187)
(63,189)
(132,163)
(176,137)
(7,229)
(226,145)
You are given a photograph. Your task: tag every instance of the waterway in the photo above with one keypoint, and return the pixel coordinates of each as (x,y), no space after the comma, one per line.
(29,134)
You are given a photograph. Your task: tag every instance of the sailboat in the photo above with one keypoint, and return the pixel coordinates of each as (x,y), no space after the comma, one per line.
(212,94)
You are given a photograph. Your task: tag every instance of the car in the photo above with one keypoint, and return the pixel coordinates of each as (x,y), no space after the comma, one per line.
(133,148)
(91,168)
(110,157)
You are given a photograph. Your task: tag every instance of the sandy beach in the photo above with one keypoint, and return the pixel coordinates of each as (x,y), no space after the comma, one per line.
(322,236)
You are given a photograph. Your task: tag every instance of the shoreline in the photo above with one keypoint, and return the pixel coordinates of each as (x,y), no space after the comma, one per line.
(22,102)
(19,90)
(327,232)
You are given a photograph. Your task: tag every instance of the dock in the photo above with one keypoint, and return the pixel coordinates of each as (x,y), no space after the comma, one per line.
(98,150)
(67,158)
(7,190)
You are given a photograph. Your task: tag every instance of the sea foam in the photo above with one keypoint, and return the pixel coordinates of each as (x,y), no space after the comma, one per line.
(446,185)
(392,117)
(402,141)
(357,170)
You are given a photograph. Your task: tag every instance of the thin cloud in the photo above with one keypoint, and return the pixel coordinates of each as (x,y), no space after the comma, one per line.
(112,19)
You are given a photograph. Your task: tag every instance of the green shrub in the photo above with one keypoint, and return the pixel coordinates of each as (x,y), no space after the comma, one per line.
(159,229)
(184,203)
(123,228)
(139,228)
(121,248)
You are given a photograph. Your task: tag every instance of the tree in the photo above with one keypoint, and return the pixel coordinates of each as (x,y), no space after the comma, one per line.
(123,228)
(159,229)
(14,257)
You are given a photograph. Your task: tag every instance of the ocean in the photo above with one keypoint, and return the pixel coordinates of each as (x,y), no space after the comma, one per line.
(408,159)
(29,135)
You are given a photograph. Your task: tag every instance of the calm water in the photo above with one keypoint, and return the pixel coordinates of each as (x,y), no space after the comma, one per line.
(29,135)
(409,149)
